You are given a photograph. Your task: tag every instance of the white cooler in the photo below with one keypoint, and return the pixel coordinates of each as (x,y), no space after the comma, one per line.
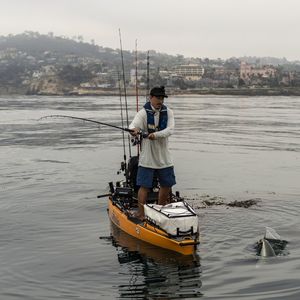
(175,218)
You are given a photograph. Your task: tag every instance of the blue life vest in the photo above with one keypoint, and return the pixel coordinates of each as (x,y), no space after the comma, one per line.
(163,118)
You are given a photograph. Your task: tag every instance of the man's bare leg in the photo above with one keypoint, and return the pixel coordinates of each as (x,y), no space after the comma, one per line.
(164,195)
(142,199)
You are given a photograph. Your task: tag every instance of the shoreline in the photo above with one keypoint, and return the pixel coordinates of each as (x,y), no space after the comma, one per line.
(283,91)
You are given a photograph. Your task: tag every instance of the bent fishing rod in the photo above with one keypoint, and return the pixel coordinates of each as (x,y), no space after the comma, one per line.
(88,120)
(142,134)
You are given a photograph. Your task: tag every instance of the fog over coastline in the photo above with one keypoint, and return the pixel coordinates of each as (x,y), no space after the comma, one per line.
(206,28)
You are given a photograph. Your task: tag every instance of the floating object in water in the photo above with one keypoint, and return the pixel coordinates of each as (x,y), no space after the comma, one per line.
(266,249)
(209,201)
(271,244)
(271,234)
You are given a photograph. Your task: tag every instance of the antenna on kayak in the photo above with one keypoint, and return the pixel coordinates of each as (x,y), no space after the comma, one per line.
(125,93)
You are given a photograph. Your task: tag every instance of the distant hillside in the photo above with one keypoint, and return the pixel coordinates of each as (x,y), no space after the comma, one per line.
(36,44)
(34,63)
(265,60)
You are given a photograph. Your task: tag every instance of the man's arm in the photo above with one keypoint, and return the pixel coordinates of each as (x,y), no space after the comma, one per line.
(137,123)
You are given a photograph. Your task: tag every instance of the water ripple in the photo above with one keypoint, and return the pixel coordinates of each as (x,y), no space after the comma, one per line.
(234,148)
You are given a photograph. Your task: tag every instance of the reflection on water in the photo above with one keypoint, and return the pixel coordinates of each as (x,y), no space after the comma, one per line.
(155,273)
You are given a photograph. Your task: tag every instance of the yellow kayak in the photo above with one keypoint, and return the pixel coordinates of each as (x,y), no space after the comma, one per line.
(121,216)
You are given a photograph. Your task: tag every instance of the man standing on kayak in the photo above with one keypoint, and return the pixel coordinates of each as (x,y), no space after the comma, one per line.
(155,158)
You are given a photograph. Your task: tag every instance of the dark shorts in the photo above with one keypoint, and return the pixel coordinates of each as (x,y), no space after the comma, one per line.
(166,177)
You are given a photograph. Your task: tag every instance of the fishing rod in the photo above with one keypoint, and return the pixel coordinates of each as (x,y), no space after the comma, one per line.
(137,139)
(125,93)
(136,88)
(148,76)
(88,120)
(136,78)
(122,118)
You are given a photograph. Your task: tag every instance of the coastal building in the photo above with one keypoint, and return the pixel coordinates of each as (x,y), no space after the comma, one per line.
(133,76)
(189,72)
(248,71)
(116,75)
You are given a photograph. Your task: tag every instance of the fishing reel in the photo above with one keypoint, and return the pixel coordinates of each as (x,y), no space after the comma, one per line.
(137,140)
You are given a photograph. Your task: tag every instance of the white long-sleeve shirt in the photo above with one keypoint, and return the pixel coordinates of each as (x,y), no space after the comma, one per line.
(155,153)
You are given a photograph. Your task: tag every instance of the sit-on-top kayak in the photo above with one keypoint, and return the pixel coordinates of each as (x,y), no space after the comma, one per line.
(155,230)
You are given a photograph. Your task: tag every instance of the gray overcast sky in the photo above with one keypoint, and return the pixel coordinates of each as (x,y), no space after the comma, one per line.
(202,28)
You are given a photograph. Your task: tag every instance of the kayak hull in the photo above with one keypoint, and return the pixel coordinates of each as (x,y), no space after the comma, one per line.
(148,233)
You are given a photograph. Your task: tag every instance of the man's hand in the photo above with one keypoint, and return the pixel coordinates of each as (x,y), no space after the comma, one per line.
(151,136)
(134,131)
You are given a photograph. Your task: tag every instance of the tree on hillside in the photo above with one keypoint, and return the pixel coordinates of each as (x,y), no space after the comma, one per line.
(11,74)
(74,74)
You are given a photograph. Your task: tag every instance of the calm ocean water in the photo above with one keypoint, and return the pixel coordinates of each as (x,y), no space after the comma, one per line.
(56,239)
